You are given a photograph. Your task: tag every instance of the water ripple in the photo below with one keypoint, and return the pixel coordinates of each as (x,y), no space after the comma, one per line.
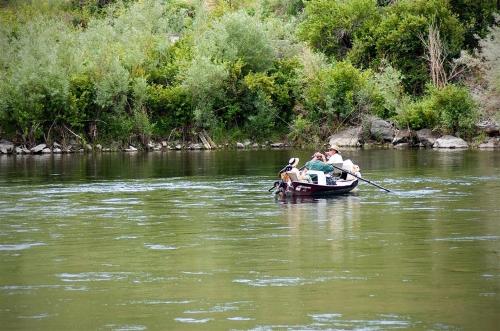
(20,247)
(193,320)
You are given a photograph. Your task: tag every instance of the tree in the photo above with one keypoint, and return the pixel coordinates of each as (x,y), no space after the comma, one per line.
(476,16)
(332,26)
(398,37)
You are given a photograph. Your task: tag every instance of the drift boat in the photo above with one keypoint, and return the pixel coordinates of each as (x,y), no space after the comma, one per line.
(319,184)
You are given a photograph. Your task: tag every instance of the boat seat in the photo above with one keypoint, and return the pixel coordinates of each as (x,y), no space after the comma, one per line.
(320,175)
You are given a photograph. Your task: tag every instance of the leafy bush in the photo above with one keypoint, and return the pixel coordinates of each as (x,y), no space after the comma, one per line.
(388,85)
(36,86)
(418,115)
(302,130)
(476,17)
(169,107)
(457,109)
(450,109)
(333,26)
(338,93)
(282,7)
(398,37)
(237,36)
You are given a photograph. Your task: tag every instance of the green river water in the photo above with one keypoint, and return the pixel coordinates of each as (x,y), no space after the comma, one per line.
(194,241)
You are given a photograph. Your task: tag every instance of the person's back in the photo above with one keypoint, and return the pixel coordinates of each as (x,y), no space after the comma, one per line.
(319,166)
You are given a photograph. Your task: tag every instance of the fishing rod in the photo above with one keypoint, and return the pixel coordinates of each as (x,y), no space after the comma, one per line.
(365,180)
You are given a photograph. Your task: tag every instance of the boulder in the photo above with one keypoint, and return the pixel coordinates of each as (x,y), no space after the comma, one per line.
(489,127)
(178,147)
(46,150)
(88,147)
(348,138)
(196,146)
(6,147)
(106,149)
(247,143)
(402,146)
(38,148)
(98,147)
(404,136)
(240,145)
(130,149)
(278,145)
(57,150)
(18,150)
(381,130)
(426,137)
(164,143)
(255,145)
(56,145)
(450,142)
(493,142)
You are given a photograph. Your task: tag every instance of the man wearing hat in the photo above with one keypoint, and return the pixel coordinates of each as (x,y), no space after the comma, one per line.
(333,155)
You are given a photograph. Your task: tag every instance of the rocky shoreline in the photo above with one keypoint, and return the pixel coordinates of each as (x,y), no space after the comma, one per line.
(380,132)
(376,132)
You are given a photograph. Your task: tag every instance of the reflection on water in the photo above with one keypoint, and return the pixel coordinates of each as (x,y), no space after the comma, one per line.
(195,241)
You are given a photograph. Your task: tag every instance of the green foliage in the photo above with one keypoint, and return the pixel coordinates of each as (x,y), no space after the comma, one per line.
(456,107)
(36,87)
(450,109)
(338,93)
(476,17)
(205,82)
(388,84)
(237,36)
(490,54)
(169,107)
(282,7)
(398,37)
(333,26)
(418,115)
(302,129)
(129,69)
(261,123)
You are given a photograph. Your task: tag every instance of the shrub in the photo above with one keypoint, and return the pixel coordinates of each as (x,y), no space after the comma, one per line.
(338,93)
(450,109)
(388,85)
(398,37)
(237,36)
(457,109)
(332,26)
(169,107)
(418,115)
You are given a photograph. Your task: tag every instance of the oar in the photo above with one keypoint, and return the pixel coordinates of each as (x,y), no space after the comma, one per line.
(365,180)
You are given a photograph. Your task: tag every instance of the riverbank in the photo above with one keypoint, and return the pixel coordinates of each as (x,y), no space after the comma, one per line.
(375,132)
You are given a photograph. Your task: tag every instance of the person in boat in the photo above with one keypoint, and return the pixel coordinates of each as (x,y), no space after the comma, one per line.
(334,158)
(291,173)
(333,155)
(318,163)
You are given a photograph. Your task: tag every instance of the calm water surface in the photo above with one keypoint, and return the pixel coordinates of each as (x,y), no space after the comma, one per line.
(193,241)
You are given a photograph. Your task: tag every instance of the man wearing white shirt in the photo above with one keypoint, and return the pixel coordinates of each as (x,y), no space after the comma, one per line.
(333,155)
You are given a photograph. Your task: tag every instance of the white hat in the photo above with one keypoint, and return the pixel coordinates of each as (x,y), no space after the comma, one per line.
(335,148)
(293,161)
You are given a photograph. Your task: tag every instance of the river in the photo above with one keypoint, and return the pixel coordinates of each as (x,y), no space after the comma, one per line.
(194,241)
